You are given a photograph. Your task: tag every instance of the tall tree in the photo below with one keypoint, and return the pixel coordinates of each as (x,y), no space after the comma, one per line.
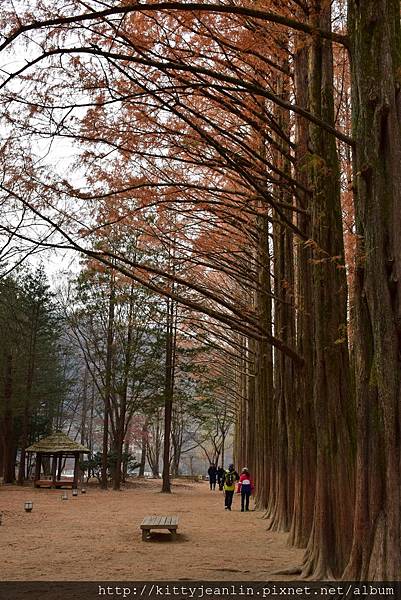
(374,30)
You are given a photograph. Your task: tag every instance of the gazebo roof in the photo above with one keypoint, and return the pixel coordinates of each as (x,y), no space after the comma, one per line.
(57,442)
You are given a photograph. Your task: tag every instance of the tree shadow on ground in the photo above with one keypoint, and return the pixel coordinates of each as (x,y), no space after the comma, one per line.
(163,538)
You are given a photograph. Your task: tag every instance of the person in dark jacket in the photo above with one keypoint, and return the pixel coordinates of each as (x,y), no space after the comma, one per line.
(212,472)
(220,477)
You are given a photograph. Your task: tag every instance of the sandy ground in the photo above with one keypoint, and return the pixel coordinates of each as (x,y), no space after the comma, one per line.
(96,536)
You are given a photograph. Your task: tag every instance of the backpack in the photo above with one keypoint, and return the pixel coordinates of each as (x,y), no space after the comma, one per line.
(229,479)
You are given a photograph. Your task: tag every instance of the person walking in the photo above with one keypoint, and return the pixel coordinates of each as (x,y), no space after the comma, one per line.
(212,472)
(245,488)
(230,477)
(220,477)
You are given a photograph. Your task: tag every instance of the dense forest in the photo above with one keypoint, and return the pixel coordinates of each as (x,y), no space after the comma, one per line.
(102,342)
(228,173)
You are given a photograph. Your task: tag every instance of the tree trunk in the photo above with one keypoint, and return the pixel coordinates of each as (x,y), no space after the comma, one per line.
(168,393)
(177,432)
(2,449)
(374,29)
(108,379)
(124,473)
(84,408)
(153,451)
(121,410)
(8,433)
(28,393)
(304,433)
(263,373)
(118,444)
(284,329)
(330,540)
(91,417)
(143,450)
(251,456)
(241,375)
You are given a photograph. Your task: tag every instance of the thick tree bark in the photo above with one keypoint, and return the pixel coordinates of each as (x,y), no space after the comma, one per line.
(245,448)
(330,541)
(241,376)
(304,434)
(263,373)
(374,29)
(284,328)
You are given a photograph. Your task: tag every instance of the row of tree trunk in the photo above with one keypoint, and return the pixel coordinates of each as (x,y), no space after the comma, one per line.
(326,452)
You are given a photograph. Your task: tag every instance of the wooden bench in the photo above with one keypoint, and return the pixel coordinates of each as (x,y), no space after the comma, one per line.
(49,483)
(159,522)
(195,478)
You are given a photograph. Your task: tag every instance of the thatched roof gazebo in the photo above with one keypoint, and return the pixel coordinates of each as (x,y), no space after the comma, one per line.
(57,447)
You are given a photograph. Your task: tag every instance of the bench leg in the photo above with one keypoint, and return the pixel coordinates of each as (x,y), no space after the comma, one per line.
(173,533)
(145,534)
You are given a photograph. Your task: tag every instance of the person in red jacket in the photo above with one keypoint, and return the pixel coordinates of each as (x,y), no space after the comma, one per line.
(245,488)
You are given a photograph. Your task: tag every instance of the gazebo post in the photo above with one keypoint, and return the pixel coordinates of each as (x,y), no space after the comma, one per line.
(76,465)
(54,469)
(38,464)
(60,462)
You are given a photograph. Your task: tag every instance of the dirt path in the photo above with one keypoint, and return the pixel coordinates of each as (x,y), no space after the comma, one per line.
(96,536)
